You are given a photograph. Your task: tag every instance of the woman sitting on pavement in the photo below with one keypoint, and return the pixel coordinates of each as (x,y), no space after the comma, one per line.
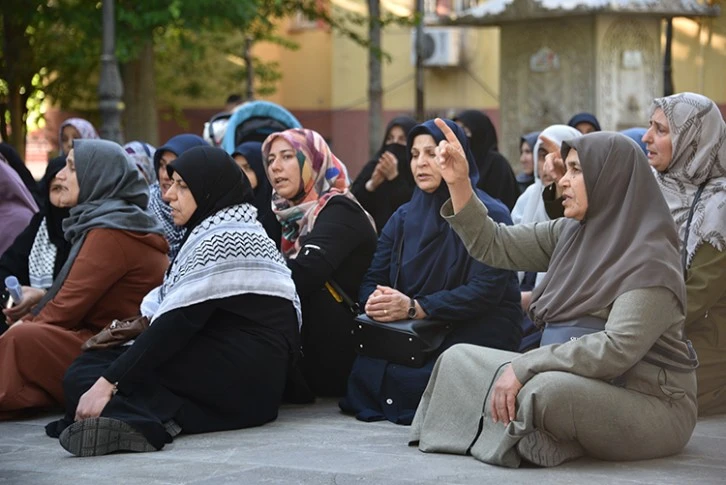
(618,381)
(686,145)
(385,183)
(421,270)
(163,156)
(40,251)
(224,324)
(328,241)
(117,255)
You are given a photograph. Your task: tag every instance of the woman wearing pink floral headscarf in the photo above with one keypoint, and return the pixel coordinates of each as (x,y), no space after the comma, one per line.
(328,241)
(72,129)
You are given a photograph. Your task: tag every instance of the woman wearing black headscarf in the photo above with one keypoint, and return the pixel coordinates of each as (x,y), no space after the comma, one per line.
(14,160)
(38,253)
(224,324)
(496,177)
(386,183)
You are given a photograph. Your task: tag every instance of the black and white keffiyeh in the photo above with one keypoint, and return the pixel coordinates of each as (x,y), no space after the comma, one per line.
(227,254)
(162,211)
(41,260)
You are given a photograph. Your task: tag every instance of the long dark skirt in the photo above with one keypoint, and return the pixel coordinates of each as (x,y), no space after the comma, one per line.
(199,388)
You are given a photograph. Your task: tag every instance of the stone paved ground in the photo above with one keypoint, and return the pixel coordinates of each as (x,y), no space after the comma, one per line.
(318,445)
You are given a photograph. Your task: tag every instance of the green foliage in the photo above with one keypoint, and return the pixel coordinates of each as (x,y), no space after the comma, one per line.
(51,48)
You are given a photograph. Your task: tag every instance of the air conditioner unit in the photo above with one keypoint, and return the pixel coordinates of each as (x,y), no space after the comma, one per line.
(441,46)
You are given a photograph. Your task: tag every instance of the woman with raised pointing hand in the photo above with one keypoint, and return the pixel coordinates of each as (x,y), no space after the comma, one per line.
(617,381)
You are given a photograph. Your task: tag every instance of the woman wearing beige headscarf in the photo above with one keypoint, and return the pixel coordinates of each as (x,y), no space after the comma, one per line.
(624,389)
(686,144)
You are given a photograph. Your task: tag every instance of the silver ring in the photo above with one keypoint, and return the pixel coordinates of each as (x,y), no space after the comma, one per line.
(385,312)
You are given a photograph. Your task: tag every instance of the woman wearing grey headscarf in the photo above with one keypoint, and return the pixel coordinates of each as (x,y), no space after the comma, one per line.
(623,389)
(686,144)
(118,255)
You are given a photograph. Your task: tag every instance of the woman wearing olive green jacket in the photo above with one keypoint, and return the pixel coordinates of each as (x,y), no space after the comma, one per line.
(627,390)
(686,144)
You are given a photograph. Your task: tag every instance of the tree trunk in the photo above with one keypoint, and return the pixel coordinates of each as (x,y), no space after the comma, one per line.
(141,119)
(18,114)
(375,81)
(247,56)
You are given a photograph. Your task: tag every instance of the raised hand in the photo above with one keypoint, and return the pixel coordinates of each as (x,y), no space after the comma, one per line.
(454,167)
(388,165)
(554,166)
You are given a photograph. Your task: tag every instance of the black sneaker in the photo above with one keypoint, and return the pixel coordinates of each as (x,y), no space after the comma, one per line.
(540,448)
(99,436)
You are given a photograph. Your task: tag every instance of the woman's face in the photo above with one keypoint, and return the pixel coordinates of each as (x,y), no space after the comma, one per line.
(526,159)
(544,177)
(574,192)
(68,134)
(658,141)
(396,135)
(425,170)
(68,181)
(181,200)
(245,166)
(283,169)
(164,180)
(585,127)
(54,191)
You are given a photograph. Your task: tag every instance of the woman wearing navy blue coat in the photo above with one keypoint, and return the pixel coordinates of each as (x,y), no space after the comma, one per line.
(434,278)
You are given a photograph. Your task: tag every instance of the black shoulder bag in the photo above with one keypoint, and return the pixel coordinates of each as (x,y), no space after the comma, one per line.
(406,342)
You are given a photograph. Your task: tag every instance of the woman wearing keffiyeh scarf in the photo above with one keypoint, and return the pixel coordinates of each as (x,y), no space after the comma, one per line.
(328,241)
(686,144)
(224,325)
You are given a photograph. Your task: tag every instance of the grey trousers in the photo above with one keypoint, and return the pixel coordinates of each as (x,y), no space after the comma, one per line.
(608,422)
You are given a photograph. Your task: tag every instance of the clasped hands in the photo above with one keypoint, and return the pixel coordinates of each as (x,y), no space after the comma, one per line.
(387,305)
(386,169)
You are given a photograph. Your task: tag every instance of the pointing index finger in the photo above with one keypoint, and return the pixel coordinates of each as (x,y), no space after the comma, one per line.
(448,133)
(549,145)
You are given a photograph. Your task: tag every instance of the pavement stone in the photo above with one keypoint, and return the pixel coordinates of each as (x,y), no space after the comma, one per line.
(316,444)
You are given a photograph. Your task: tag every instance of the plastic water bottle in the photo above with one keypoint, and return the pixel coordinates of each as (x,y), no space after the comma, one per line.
(14,288)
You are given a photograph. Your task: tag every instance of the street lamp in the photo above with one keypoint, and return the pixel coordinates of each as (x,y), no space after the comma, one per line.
(110,88)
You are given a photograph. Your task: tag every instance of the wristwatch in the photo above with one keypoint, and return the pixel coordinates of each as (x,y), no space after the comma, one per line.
(412,309)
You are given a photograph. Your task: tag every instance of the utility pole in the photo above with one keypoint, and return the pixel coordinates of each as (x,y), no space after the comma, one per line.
(110,88)
(419,61)
(668,88)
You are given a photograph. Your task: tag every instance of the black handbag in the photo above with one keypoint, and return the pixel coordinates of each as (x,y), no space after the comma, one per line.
(406,342)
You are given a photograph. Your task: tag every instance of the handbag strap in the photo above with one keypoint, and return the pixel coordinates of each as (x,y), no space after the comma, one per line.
(398,267)
(684,246)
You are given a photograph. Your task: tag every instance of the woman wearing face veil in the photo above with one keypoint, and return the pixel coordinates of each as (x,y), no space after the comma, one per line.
(386,183)
(224,324)
(38,253)
(117,255)
(618,380)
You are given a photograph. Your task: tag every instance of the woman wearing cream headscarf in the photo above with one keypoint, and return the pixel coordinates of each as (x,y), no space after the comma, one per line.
(686,144)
